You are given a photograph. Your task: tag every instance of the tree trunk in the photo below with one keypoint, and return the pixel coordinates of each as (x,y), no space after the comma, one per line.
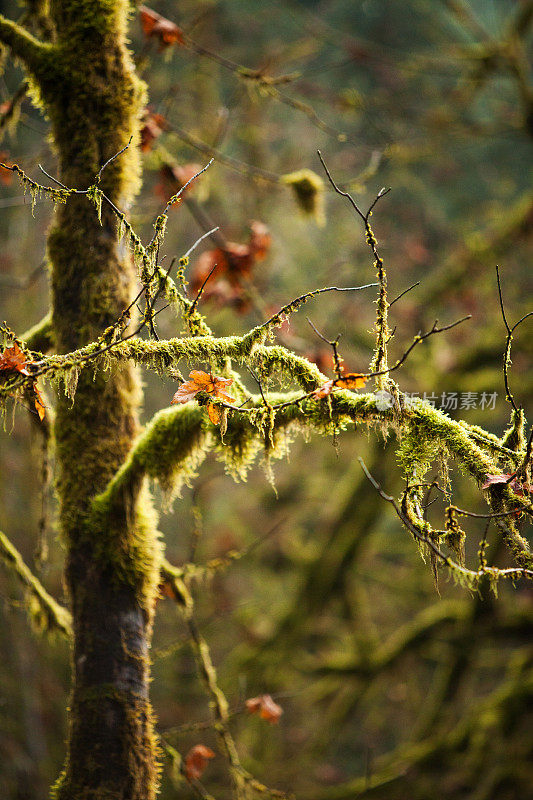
(93,99)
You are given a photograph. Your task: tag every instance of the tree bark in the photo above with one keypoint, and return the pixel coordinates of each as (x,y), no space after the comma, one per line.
(93,99)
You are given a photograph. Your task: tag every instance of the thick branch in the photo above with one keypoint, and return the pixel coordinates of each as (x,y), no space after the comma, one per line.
(177,439)
(22,44)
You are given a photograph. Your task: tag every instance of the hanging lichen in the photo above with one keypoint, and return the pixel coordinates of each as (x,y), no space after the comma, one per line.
(95,195)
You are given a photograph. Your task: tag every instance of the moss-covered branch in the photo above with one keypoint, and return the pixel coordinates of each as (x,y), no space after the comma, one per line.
(177,439)
(471,732)
(40,337)
(414,633)
(21,43)
(48,611)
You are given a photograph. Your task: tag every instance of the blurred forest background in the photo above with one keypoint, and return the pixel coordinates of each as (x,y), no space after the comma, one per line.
(389,689)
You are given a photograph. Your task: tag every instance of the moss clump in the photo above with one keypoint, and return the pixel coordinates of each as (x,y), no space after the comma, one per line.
(514,437)
(308,189)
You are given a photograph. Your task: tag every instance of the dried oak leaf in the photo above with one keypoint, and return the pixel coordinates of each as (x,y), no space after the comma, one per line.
(265,707)
(196,761)
(154,25)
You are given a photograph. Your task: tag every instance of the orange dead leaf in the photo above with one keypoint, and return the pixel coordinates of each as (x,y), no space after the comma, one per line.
(196,761)
(213,413)
(234,262)
(6,176)
(13,360)
(153,24)
(200,381)
(323,390)
(351,380)
(153,126)
(265,707)
(38,403)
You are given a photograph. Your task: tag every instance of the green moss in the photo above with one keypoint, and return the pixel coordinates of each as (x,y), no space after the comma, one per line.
(514,437)
(308,190)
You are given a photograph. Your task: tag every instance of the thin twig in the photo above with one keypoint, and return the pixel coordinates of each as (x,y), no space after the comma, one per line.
(507,350)
(402,294)
(337,360)
(200,291)
(512,573)
(257,380)
(55,180)
(298,301)
(109,160)
(197,242)
(175,197)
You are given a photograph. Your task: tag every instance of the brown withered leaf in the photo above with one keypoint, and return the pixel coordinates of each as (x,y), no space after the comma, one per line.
(196,761)
(323,390)
(235,263)
(154,25)
(200,381)
(13,360)
(265,707)
(214,413)
(349,380)
(153,126)
(260,240)
(517,487)
(38,403)
(6,176)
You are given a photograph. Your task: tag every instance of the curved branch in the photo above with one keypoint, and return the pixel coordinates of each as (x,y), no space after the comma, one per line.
(55,614)
(41,336)
(21,43)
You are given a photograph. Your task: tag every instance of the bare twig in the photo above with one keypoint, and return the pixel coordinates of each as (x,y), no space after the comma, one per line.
(110,160)
(379,360)
(298,301)
(507,350)
(176,197)
(55,180)
(196,300)
(512,573)
(337,360)
(402,294)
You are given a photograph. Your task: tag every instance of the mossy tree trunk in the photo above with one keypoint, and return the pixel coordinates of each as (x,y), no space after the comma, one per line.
(89,90)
